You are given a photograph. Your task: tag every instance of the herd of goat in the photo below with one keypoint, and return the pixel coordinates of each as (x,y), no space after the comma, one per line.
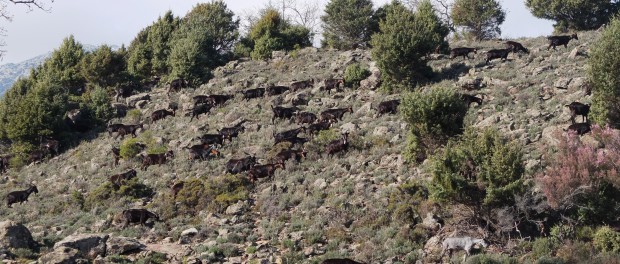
(210,144)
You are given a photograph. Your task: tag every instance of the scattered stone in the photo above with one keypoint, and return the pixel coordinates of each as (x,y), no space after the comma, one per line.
(381,131)
(60,255)
(88,245)
(122,245)
(132,100)
(562,83)
(14,235)
(236,209)
(320,184)
(349,127)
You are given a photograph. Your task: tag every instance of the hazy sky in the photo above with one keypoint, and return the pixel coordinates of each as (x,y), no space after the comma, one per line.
(116,22)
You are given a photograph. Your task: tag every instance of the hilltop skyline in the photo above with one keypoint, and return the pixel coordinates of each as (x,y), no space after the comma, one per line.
(46,30)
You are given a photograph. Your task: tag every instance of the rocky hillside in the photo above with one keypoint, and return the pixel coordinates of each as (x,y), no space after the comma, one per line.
(320,207)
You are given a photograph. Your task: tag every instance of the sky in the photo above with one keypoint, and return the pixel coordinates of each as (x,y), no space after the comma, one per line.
(116,22)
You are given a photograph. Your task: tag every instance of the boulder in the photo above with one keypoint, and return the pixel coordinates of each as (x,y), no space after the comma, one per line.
(349,127)
(88,245)
(132,100)
(186,235)
(235,209)
(60,255)
(551,135)
(14,235)
(122,245)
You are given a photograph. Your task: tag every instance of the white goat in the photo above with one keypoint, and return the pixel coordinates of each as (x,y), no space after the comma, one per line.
(465,243)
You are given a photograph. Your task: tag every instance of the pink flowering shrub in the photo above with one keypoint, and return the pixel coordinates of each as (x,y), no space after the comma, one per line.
(583,169)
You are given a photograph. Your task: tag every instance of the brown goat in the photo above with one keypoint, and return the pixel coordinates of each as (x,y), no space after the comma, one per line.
(263,171)
(152,159)
(138,216)
(161,114)
(455,52)
(287,154)
(516,46)
(340,261)
(330,84)
(335,114)
(119,179)
(468,99)
(338,145)
(305,118)
(301,84)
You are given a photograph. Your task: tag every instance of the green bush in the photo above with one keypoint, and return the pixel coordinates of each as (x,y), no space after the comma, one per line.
(355,73)
(129,148)
(346,23)
(607,240)
(544,247)
(101,195)
(271,32)
(404,201)
(480,18)
(491,259)
(434,115)
(604,75)
(549,260)
(480,167)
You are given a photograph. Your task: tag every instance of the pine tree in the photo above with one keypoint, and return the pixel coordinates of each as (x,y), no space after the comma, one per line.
(604,74)
(347,23)
(574,14)
(480,18)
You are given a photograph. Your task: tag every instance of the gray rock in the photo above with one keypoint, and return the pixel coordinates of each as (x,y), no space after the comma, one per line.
(14,235)
(278,54)
(122,245)
(89,245)
(60,255)
(430,221)
(235,209)
(562,83)
(132,100)
(551,135)
(349,127)
(320,184)
(297,236)
(381,131)
(186,235)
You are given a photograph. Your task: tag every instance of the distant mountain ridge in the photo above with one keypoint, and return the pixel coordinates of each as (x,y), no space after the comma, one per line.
(10,72)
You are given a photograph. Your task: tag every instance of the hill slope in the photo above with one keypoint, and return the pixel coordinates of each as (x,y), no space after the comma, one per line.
(320,207)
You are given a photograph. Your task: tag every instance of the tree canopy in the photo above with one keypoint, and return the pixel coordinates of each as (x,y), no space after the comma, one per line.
(574,14)
(480,18)
(347,23)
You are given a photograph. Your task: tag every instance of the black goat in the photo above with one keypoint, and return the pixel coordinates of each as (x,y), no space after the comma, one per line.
(138,216)
(176,85)
(288,133)
(468,98)
(498,54)
(313,129)
(283,112)
(20,196)
(390,106)
(161,114)
(577,108)
(516,47)
(212,139)
(119,179)
(340,261)
(335,114)
(275,90)
(263,171)
(455,52)
(560,40)
(253,93)
(198,110)
(287,154)
(579,128)
(305,117)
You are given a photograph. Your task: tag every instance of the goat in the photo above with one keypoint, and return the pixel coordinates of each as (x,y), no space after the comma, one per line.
(253,93)
(301,84)
(263,171)
(129,129)
(276,90)
(340,261)
(116,153)
(119,179)
(203,99)
(498,54)
(37,155)
(176,85)
(390,106)
(283,112)
(121,92)
(288,133)
(338,145)
(234,166)
(20,196)
(176,188)
(465,243)
(112,128)
(220,99)
(335,114)
(152,159)
(230,132)
(293,140)
(468,99)
(313,129)
(4,162)
(202,151)
(560,40)
(212,139)
(579,128)
(198,110)
(577,108)
(330,84)
(287,154)
(516,47)
(138,216)
(160,114)
(305,117)
(455,52)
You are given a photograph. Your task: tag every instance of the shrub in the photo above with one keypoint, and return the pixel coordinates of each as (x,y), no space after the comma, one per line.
(272,32)
(404,201)
(101,195)
(604,75)
(582,179)
(479,168)
(480,18)
(491,259)
(129,148)
(404,39)
(434,115)
(607,240)
(355,73)
(346,23)
(544,247)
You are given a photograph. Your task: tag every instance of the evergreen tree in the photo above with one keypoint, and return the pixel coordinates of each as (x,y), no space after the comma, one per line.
(604,74)
(103,67)
(574,14)
(347,23)
(404,41)
(203,41)
(272,32)
(63,66)
(480,18)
